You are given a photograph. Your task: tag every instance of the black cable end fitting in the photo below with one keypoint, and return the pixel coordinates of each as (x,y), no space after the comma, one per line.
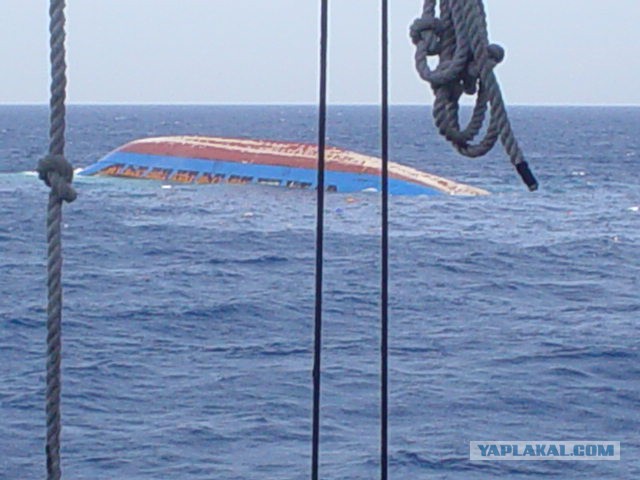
(527,176)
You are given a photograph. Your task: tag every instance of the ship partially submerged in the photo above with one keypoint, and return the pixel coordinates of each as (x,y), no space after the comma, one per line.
(210,160)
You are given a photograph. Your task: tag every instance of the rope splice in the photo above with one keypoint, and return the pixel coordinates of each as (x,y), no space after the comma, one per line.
(466,62)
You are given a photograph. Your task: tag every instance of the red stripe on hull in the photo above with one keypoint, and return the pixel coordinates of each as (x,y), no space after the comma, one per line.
(171,149)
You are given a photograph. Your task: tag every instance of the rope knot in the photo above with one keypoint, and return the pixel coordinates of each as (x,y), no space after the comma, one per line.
(496,53)
(471,75)
(57,173)
(428,29)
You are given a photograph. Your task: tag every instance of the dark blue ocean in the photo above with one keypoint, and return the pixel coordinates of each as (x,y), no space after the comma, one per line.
(188,317)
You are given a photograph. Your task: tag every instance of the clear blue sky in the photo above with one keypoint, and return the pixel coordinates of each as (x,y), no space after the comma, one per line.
(259,51)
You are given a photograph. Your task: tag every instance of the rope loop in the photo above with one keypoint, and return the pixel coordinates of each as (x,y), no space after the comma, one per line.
(466,61)
(57,173)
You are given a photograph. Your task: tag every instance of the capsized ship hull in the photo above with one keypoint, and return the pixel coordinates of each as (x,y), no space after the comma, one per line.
(207,160)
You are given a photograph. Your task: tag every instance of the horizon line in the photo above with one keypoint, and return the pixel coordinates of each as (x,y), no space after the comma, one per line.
(295,104)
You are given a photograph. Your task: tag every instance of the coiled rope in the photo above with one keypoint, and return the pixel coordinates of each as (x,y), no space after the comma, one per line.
(57,173)
(466,62)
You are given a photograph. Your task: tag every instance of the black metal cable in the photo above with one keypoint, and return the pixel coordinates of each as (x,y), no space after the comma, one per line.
(384,300)
(317,347)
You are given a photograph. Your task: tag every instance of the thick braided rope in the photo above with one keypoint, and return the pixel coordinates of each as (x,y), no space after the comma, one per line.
(466,62)
(57,173)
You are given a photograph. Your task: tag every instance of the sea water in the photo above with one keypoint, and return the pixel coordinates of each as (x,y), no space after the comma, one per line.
(188,310)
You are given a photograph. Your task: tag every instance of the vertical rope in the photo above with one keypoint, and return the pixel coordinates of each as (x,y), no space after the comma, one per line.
(317,347)
(58,77)
(384,342)
(57,173)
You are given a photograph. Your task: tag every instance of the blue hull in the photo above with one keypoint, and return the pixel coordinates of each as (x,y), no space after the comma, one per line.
(233,172)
